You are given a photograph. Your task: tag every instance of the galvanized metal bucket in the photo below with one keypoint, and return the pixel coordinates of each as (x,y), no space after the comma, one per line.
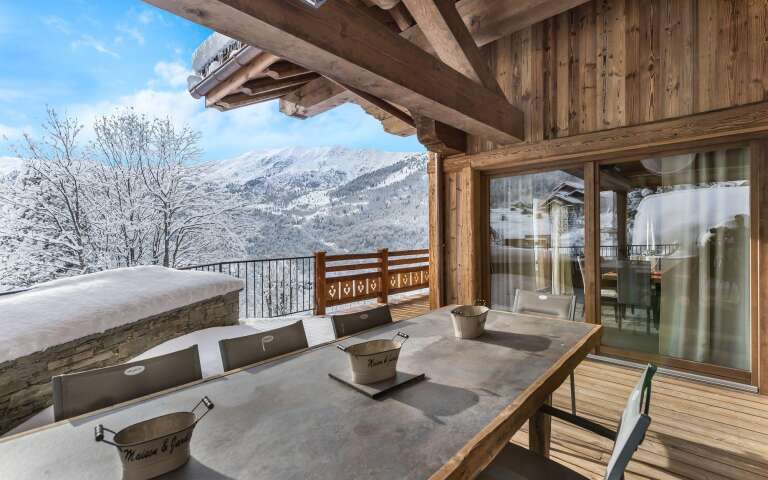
(375,360)
(155,446)
(469,320)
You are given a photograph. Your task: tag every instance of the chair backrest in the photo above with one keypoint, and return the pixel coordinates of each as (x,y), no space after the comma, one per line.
(559,306)
(633,284)
(351,323)
(83,392)
(632,427)
(241,351)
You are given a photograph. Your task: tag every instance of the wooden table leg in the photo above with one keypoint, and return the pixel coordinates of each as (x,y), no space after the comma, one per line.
(539,432)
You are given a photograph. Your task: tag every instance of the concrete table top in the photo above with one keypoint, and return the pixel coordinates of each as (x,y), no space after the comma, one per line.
(287,419)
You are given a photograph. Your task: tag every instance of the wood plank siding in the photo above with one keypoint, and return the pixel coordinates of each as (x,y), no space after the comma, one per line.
(604,65)
(614,63)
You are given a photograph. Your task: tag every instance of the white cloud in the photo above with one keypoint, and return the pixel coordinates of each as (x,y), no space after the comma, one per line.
(10,133)
(226,134)
(147,16)
(172,74)
(91,42)
(131,32)
(58,24)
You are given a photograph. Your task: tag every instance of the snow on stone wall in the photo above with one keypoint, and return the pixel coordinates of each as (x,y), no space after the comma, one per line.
(66,309)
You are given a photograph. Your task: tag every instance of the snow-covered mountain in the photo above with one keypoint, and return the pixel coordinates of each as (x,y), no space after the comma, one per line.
(298,200)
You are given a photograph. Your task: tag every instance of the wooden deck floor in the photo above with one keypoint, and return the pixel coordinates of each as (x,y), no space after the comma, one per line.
(697,431)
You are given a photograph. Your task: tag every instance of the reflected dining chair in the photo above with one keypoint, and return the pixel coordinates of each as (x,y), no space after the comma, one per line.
(517,463)
(562,307)
(83,392)
(241,351)
(634,289)
(352,323)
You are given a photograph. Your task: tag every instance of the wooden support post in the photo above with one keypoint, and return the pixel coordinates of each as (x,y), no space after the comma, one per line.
(539,431)
(384,269)
(436,230)
(592,244)
(759,245)
(621,224)
(470,258)
(320,289)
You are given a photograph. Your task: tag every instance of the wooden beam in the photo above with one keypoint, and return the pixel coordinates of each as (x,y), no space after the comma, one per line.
(449,36)
(382,104)
(391,124)
(231,85)
(695,131)
(440,138)
(490,20)
(340,41)
(401,16)
(280,70)
(385,4)
(267,84)
(315,97)
(237,100)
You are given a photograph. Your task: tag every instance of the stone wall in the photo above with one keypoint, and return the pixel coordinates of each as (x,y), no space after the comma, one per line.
(25,383)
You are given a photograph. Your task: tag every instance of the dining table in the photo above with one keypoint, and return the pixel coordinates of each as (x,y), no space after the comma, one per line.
(286,418)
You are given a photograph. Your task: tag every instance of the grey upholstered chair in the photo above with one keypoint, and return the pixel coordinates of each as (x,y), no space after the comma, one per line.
(83,392)
(535,303)
(633,285)
(518,463)
(556,306)
(241,351)
(352,323)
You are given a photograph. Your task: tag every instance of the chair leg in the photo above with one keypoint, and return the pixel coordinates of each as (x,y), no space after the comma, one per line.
(573,394)
(648,321)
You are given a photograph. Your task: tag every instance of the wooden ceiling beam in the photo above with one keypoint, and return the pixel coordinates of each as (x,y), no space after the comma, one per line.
(280,70)
(339,41)
(315,97)
(237,100)
(440,138)
(232,84)
(490,20)
(448,34)
(267,84)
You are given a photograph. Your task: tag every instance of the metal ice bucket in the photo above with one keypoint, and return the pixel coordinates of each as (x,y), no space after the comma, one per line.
(375,360)
(469,320)
(156,446)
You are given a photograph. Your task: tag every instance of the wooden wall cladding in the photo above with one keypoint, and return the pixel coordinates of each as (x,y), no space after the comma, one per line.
(613,63)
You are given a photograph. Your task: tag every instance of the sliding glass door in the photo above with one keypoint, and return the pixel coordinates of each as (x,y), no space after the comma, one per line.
(675,258)
(537,236)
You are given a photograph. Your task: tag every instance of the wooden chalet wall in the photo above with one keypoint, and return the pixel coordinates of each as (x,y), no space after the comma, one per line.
(613,63)
(603,65)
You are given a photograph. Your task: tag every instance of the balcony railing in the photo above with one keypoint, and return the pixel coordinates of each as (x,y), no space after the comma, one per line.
(276,287)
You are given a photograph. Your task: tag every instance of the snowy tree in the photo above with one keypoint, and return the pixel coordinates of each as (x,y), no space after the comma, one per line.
(45,226)
(135,196)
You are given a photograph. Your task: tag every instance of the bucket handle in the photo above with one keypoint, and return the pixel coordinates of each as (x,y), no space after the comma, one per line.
(343,348)
(402,335)
(205,401)
(98,433)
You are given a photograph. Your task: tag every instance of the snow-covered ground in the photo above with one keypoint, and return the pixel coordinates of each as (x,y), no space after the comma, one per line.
(66,309)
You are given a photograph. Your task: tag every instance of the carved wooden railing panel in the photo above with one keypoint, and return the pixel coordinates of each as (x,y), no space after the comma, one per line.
(337,281)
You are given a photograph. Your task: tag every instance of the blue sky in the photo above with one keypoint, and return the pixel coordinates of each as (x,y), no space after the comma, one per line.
(89,58)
